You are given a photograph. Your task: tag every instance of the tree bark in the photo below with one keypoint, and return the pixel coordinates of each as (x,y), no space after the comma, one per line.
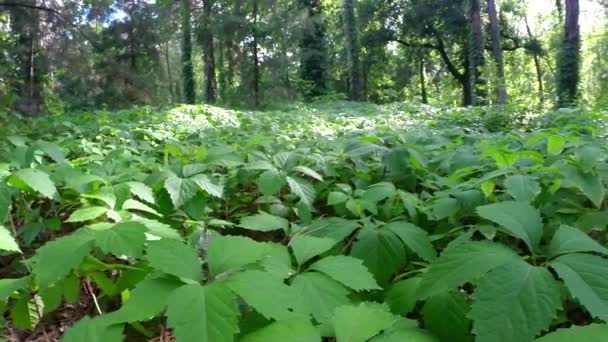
(25,26)
(352,51)
(476,58)
(568,61)
(169,73)
(421,72)
(208,52)
(187,67)
(537,66)
(501,87)
(313,51)
(256,58)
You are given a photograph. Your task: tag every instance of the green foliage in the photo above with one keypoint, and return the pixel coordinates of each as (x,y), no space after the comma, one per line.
(332,223)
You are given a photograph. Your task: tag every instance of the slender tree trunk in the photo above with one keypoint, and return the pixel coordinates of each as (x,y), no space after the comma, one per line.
(208,53)
(568,68)
(476,51)
(169,73)
(25,26)
(221,71)
(501,88)
(313,50)
(352,50)
(422,76)
(538,67)
(187,67)
(256,58)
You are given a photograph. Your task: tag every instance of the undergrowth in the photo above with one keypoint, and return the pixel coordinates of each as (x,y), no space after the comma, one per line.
(317,222)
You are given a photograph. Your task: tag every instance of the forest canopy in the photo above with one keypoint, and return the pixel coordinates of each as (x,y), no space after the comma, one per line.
(62,55)
(303,170)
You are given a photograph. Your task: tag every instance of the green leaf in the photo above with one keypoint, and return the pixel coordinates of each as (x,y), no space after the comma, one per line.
(409,334)
(293,330)
(132,204)
(93,330)
(27,312)
(362,322)
(414,238)
(37,180)
(125,238)
(270,182)
(207,185)
(56,259)
(203,314)
(174,257)
(445,207)
(148,299)
(571,240)
(522,188)
(319,295)
(514,302)
(445,315)
(306,247)
(335,197)
(142,191)
(463,262)
(401,297)
(520,219)
(180,190)
(8,286)
(585,278)
(555,145)
(347,270)
(230,252)
(5,202)
(303,189)
(382,252)
(52,150)
(276,301)
(305,170)
(7,241)
(264,222)
(87,214)
(378,192)
(590,183)
(589,333)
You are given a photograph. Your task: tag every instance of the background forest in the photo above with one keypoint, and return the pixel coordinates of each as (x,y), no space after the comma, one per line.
(304,170)
(58,55)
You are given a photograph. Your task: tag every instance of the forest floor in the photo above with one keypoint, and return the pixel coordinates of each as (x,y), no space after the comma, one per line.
(337,210)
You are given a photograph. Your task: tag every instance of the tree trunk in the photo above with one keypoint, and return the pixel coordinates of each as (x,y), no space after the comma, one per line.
(208,52)
(169,73)
(352,51)
(256,58)
(568,61)
(313,50)
(476,51)
(421,72)
(25,26)
(501,87)
(538,67)
(187,67)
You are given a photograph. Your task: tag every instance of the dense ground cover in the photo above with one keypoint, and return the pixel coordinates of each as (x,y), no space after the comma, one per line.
(336,220)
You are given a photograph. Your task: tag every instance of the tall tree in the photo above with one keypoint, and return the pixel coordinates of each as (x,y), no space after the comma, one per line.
(255,54)
(313,50)
(476,54)
(187,66)
(535,48)
(501,86)
(568,61)
(29,59)
(352,51)
(206,41)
